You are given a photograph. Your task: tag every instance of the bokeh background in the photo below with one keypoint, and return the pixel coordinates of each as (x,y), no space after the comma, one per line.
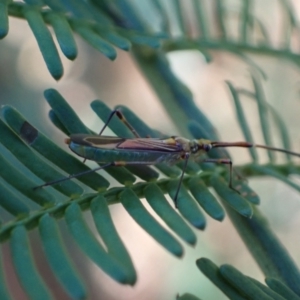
(91,76)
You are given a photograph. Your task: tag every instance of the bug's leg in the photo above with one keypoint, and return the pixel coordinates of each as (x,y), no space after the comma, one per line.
(129,126)
(111,164)
(239,176)
(107,122)
(123,119)
(186,158)
(74,175)
(226,161)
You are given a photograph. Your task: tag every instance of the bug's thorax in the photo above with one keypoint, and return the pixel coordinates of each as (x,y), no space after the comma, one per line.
(193,146)
(182,143)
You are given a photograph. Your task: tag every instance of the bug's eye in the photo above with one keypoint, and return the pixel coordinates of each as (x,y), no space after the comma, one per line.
(207,147)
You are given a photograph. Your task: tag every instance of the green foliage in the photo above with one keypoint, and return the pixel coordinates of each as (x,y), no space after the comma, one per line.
(106,25)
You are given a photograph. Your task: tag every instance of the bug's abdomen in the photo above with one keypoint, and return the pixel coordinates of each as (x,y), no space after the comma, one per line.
(111,155)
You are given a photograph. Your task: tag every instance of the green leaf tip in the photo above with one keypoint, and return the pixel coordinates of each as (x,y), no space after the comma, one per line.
(211,271)
(187,296)
(115,39)
(161,206)
(231,197)
(244,284)
(24,265)
(187,205)
(92,248)
(110,237)
(139,213)
(96,41)
(58,258)
(65,113)
(281,289)
(205,198)
(64,35)
(44,40)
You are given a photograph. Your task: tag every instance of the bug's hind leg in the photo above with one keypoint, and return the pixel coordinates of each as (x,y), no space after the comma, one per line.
(74,175)
(123,119)
(111,164)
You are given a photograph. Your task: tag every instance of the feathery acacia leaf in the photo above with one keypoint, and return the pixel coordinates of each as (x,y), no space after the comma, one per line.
(236,285)
(20,132)
(121,24)
(106,25)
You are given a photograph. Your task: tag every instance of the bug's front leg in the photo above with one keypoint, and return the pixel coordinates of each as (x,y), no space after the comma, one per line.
(226,161)
(186,157)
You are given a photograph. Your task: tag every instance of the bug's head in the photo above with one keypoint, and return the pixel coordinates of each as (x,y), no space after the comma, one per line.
(202,144)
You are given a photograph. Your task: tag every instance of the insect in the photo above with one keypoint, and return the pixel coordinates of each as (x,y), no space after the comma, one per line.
(118,151)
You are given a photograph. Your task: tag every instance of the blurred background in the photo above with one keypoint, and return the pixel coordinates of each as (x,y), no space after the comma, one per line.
(91,76)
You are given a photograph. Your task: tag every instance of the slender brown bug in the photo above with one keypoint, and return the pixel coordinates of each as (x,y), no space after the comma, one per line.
(118,151)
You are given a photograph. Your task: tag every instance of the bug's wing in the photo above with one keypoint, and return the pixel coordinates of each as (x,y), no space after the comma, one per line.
(168,145)
(96,141)
(110,142)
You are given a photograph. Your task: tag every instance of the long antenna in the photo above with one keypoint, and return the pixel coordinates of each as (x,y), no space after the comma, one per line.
(250,145)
